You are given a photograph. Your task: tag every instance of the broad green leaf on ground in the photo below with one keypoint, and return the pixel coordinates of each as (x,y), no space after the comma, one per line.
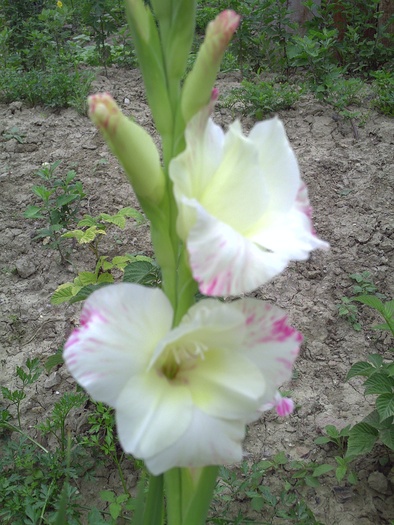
(379,383)
(387,437)
(361,368)
(385,405)
(362,438)
(62,294)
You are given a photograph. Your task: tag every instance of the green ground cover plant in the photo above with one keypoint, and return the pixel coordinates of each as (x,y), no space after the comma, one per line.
(60,200)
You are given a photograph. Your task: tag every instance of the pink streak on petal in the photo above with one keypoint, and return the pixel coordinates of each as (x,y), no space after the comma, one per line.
(214,94)
(73,338)
(250,319)
(209,289)
(288,364)
(285,406)
(281,330)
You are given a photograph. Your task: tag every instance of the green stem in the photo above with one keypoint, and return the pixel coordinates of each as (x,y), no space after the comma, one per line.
(154,504)
(120,471)
(10,425)
(173,489)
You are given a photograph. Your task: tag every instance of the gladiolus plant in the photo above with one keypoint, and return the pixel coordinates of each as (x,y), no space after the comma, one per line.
(228,211)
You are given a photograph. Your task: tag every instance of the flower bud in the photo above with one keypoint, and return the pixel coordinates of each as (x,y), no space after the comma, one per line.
(131,144)
(150,57)
(199,83)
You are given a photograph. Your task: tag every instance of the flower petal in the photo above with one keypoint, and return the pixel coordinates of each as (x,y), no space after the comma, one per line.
(208,324)
(226,385)
(207,441)
(278,163)
(120,327)
(270,342)
(223,261)
(192,170)
(152,413)
(236,194)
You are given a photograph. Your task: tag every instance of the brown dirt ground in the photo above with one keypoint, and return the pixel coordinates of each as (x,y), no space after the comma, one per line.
(351,188)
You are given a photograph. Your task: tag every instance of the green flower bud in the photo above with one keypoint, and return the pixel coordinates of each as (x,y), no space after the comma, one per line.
(199,83)
(150,56)
(131,144)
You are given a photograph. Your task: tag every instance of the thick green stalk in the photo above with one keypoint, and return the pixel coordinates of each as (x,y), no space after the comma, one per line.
(154,504)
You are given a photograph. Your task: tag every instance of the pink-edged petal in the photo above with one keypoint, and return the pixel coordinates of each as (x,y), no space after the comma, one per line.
(152,413)
(121,325)
(284,405)
(225,385)
(278,163)
(224,262)
(207,441)
(271,343)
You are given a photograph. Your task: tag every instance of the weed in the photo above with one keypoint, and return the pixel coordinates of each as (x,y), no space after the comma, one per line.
(250,483)
(61,198)
(379,424)
(349,311)
(27,378)
(13,133)
(264,98)
(384,87)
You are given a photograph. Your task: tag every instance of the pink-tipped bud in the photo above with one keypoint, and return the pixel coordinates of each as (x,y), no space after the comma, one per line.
(197,90)
(131,144)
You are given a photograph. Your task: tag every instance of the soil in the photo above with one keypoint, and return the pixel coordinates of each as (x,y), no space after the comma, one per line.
(350,181)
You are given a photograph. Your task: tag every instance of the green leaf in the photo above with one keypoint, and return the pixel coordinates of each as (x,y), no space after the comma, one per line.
(90,234)
(42,192)
(33,212)
(352,478)
(115,509)
(73,234)
(378,383)
(86,278)
(362,438)
(121,261)
(105,278)
(322,469)
(332,431)
(340,472)
(373,419)
(361,368)
(118,220)
(376,360)
(257,503)
(65,199)
(132,213)
(372,301)
(54,360)
(141,272)
(88,220)
(322,440)
(312,481)
(389,309)
(107,495)
(385,405)
(387,437)
(62,293)
(84,292)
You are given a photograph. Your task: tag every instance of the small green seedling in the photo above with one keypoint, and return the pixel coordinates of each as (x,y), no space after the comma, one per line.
(27,378)
(61,198)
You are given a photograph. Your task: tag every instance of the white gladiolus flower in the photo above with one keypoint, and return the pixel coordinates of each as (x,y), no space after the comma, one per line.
(243,209)
(182,395)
